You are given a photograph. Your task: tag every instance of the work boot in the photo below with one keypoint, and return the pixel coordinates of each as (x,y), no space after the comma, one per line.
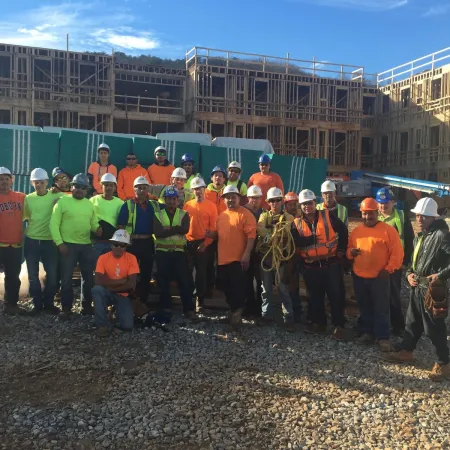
(66,313)
(87,310)
(289,326)
(35,311)
(52,310)
(190,315)
(440,372)
(315,328)
(365,339)
(12,310)
(385,345)
(401,357)
(236,319)
(265,321)
(103,332)
(338,334)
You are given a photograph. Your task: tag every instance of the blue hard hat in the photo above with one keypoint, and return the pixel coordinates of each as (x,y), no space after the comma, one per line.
(57,171)
(384,195)
(170,191)
(265,159)
(187,158)
(218,169)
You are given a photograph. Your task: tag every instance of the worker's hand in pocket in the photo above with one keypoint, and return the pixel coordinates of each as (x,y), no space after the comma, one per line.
(384,275)
(63,249)
(245,262)
(433,278)
(201,248)
(412,280)
(99,231)
(355,252)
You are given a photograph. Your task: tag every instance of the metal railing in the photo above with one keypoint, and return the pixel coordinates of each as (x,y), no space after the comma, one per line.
(148,105)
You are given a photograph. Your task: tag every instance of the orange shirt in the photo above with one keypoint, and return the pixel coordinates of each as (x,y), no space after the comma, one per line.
(117,268)
(216,197)
(160,174)
(381,250)
(234,228)
(97,171)
(203,217)
(265,182)
(125,189)
(11,210)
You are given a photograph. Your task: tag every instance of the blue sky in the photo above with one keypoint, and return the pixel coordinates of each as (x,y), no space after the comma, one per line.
(376,34)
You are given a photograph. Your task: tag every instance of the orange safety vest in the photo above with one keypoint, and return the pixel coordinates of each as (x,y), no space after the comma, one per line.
(325,245)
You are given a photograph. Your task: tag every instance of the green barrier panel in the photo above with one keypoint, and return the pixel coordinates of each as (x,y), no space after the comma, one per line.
(22,183)
(23,150)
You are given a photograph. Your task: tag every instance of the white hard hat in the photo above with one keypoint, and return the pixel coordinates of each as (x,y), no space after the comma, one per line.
(179,173)
(231,190)
(426,207)
(328,186)
(38,175)
(306,195)
(159,148)
(103,146)
(235,165)
(108,178)
(140,180)
(274,193)
(121,236)
(197,182)
(5,171)
(254,191)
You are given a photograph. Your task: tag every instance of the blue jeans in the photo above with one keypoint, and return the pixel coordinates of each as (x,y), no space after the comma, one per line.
(283,295)
(84,256)
(47,252)
(124,310)
(100,248)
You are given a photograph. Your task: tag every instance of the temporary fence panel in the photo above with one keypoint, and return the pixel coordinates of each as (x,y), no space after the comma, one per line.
(20,127)
(23,150)
(21,183)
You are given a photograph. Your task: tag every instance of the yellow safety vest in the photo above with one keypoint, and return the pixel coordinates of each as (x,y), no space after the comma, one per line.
(175,243)
(396,220)
(131,205)
(416,252)
(342,212)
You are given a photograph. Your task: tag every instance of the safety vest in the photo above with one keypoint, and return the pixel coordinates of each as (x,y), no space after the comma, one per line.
(175,243)
(325,245)
(396,220)
(185,196)
(131,205)
(342,212)
(416,252)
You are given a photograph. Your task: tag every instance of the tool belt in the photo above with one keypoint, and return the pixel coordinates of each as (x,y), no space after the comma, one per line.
(436,300)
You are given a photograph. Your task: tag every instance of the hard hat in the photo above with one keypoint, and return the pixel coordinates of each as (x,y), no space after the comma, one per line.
(328,186)
(5,171)
(235,165)
(384,195)
(254,191)
(187,158)
(121,236)
(159,149)
(274,193)
(108,178)
(140,180)
(58,171)
(426,207)
(369,204)
(179,173)
(104,146)
(38,175)
(170,191)
(218,169)
(264,159)
(306,195)
(80,178)
(230,190)
(291,197)
(197,182)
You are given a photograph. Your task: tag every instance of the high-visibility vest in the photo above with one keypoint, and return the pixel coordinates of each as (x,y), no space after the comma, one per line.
(131,205)
(416,252)
(342,212)
(185,196)
(396,220)
(325,245)
(175,243)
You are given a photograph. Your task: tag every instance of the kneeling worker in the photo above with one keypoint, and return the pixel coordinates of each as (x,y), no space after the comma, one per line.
(115,278)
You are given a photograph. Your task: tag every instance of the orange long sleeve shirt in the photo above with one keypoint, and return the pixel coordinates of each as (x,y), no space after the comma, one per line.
(160,174)
(215,197)
(125,189)
(97,171)
(381,250)
(11,212)
(203,217)
(265,182)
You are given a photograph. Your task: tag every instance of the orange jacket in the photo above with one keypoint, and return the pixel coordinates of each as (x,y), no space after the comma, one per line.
(381,249)
(215,196)
(11,211)
(203,217)
(97,171)
(160,174)
(125,189)
(265,182)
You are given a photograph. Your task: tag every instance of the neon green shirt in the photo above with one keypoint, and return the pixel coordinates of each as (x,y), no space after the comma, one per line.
(239,184)
(72,221)
(38,211)
(107,210)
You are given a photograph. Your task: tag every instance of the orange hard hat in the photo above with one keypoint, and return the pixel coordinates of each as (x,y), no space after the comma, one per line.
(369,204)
(290,196)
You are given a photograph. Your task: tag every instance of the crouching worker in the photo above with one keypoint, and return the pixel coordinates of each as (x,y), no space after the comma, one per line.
(115,279)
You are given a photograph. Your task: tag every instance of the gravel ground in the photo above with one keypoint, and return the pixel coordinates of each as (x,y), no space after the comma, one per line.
(199,387)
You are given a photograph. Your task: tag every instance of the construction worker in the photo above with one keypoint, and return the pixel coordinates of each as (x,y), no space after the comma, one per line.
(107,208)
(266,227)
(376,251)
(236,233)
(321,240)
(234,175)
(115,278)
(125,181)
(187,163)
(203,215)
(11,235)
(136,217)
(328,191)
(100,167)
(215,189)
(253,297)
(265,179)
(388,213)
(427,275)
(72,221)
(170,226)
(39,245)
(291,205)
(178,181)
(160,171)
(61,181)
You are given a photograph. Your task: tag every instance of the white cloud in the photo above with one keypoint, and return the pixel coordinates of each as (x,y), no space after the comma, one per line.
(437,10)
(365,5)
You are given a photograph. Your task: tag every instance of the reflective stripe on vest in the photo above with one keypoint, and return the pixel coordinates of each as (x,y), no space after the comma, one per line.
(396,220)
(342,212)
(131,205)
(174,243)
(325,237)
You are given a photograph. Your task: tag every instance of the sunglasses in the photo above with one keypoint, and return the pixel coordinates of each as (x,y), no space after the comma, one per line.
(310,203)
(274,200)
(141,187)
(160,154)
(130,158)
(234,171)
(62,178)
(117,245)
(80,187)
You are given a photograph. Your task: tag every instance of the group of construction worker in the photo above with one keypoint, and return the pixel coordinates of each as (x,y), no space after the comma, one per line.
(250,240)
